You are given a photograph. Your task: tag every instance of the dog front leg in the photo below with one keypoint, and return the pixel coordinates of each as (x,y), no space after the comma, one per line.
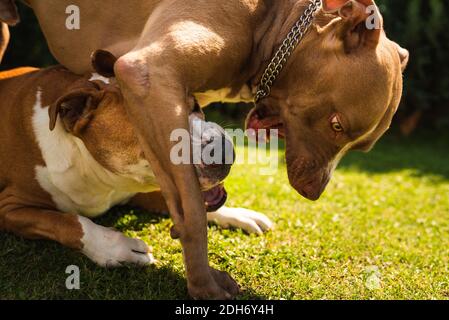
(247,220)
(157,105)
(104,246)
(35,223)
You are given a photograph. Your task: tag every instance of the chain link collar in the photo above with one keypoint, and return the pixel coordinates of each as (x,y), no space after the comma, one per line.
(289,44)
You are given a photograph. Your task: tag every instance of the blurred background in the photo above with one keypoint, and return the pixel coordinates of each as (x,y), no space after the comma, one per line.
(421,26)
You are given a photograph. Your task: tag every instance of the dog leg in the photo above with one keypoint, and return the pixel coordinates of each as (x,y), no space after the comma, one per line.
(111,248)
(247,220)
(152,202)
(152,92)
(104,246)
(34,223)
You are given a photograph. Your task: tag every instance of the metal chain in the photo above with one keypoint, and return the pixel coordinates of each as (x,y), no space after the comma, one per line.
(286,49)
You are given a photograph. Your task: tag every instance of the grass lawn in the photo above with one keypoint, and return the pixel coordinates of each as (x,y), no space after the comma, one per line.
(380,231)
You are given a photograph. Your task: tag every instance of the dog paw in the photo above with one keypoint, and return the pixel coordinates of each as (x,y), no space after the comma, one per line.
(215,285)
(111,248)
(247,220)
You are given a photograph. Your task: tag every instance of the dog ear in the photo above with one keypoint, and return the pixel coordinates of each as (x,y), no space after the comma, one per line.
(76,108)
(362,23)
(9,13)
(367,143)
(335,5)
(404,55)
(103,63)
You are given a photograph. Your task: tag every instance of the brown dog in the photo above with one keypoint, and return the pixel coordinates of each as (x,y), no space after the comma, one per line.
(338,91)
(69,153)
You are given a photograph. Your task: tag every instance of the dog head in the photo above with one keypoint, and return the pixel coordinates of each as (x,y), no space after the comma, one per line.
(93,110)
(338,92)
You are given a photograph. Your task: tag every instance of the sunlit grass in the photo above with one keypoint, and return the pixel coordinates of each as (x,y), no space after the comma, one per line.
(380,231)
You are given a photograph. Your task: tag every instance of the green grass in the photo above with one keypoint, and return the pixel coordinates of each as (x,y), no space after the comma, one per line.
(380,231)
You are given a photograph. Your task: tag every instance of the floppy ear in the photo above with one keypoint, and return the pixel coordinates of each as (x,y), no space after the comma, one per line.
(75,108)
(361,22)
(103,63)
(404,55)
(8,12)
(333,5)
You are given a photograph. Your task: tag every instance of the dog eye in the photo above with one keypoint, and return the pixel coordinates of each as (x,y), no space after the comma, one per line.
(336,125)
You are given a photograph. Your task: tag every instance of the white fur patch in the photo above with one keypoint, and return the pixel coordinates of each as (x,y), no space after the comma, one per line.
(247,220)
(110,248)
(74,179)
(96,76)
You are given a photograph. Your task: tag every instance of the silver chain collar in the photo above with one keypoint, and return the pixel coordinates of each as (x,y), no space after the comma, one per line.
(289,44)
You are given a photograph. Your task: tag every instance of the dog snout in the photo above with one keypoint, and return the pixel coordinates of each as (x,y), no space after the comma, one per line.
(219,165)
(217,154)
(313,189)
(217,170)
(308,177)
(221,151)
(228,154)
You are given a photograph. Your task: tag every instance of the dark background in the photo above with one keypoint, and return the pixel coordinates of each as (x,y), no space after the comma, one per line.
(421,26)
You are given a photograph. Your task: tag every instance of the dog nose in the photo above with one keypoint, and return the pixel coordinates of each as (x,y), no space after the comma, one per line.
(310,192)
(217,159)
(225,147)
(228,154)
(313,189)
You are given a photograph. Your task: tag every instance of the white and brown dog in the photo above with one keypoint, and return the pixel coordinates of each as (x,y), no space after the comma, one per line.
(70,153)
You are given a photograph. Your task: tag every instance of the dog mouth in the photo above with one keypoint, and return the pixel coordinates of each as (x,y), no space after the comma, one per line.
(215,198)
(262,123)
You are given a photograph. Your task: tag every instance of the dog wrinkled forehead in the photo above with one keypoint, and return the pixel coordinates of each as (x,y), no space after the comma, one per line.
(335,5)
(76,105)
(348,43)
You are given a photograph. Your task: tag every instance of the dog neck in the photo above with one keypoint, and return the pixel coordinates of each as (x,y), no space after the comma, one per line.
(275,23)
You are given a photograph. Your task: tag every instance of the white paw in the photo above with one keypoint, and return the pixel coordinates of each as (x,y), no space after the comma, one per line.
(110,248)
(247,220)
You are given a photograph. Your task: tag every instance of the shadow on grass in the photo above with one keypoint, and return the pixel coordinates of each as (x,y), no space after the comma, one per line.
(136,218)
(427,154)
(37,269)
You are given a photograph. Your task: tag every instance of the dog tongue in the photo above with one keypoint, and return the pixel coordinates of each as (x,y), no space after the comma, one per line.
(215,198)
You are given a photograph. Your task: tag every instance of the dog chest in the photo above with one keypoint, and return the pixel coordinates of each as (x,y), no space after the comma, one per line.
(76,182)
